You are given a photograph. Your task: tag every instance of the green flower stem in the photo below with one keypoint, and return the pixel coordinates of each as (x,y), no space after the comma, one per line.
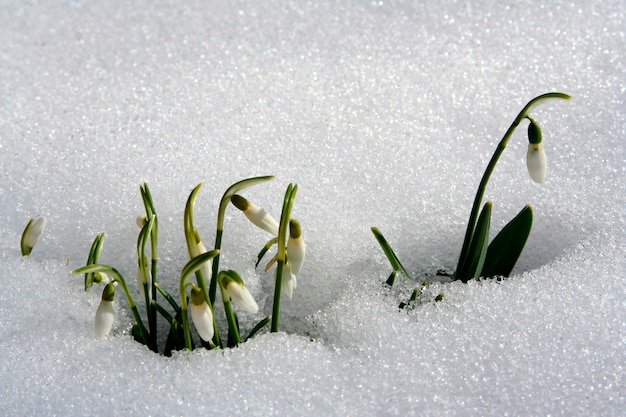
(192,239)
(233,328)
(278,284)
(219,229)
(290,196)
(192,266)
(489,170)
(151,214)
(216,264)
(120,279)
(142,240)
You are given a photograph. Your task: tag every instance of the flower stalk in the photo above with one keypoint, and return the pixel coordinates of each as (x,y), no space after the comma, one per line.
(471,224)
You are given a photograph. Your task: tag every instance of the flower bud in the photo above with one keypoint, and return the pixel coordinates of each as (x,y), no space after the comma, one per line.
(537,162)
(201,314)
(238,293)
(105,314)
(534,132)
(141,221)
(31,235)
(296,248)
(257,215)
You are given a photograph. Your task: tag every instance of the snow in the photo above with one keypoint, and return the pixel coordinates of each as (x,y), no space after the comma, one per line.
(385,114)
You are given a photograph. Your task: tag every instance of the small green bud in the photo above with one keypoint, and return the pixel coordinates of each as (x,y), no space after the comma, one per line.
(439,297)
(294,229)
(239,202)
(534,132)
(109,292)
(197,296)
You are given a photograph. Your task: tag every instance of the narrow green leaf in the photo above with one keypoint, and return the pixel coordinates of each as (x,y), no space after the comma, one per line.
(92,258)
(473,265)
(196,263)
(267,247)
(259,326)
(393,259)
(506,248)
(168,297)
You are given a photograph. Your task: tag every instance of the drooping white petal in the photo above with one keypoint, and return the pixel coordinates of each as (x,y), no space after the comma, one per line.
(206,267)
(240,295)
(289,281)
(105,314)
(202,318)
(261,218)
(296,251)
(537,162)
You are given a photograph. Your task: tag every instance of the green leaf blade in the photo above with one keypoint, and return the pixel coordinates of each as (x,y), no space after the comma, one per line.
(473,265)
(391,256)
(507,246)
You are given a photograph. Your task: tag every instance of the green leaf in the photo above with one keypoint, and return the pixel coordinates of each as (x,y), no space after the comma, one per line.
(506,248)
(473,265)
(267,247)
(196,263)
(393,259)
(92,258)
(259,326)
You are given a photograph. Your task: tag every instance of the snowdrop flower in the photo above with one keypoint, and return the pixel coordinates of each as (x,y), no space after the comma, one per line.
(201,314)
(141,221)
(31,235)
(238,293)
(200,249)
(257,215)
(296,248)
(536,159)
(105,312)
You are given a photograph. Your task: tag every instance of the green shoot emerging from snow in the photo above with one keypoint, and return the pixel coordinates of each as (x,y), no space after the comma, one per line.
(202,292)
(478,257)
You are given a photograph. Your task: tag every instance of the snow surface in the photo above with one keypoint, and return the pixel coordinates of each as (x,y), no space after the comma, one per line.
(385,114)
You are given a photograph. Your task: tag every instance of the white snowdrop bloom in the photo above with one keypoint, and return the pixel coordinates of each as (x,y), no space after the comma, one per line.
(257,215)
(141,221)
(296,249)
(289,281)
(242,298)
(537,162)
(105,314)
(201,314)
(206,267)
(31,234)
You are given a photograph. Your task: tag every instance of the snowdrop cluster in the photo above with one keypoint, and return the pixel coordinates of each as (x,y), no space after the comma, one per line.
(479,257)
(198,295)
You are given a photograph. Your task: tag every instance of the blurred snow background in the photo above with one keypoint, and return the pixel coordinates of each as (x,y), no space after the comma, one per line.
(385,113)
